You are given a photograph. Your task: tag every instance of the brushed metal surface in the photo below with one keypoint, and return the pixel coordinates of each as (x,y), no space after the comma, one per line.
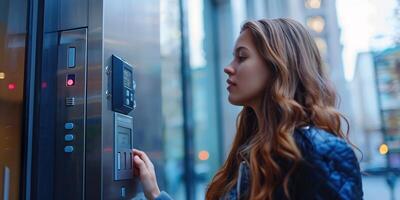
(94,149)
(65,15)
(44,136)
(131,31)
(122,155)
(69,166)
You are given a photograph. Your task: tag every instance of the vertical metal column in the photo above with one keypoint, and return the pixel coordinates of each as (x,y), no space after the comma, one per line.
(188,123)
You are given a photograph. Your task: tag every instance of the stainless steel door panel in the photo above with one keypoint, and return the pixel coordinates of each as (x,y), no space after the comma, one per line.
(70,152)
(64,15)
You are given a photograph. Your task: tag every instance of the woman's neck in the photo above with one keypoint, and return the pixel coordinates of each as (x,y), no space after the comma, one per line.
(257,108)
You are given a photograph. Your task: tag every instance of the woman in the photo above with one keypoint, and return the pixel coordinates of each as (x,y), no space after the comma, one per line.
(289,143)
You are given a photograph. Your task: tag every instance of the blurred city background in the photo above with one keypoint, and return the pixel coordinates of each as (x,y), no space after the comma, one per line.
(359,41)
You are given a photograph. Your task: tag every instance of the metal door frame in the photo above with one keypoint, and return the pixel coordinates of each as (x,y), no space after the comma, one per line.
(33,52)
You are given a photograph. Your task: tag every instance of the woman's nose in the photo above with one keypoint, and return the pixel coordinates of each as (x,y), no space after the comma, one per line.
(229,70)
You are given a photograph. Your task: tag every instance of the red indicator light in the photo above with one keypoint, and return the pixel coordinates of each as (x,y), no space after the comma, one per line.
(70,79)
(11,86)
(70,82)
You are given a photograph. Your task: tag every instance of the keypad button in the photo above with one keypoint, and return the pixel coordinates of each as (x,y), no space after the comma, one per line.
(69,126)
(118,160)
(69,137)
(68,149)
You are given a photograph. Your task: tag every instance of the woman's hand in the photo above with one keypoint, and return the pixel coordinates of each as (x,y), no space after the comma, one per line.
(144,169)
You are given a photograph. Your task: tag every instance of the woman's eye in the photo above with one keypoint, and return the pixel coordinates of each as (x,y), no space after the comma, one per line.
(241,58)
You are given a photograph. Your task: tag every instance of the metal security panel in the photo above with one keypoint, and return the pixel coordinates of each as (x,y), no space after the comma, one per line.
(123,139)
(71,115)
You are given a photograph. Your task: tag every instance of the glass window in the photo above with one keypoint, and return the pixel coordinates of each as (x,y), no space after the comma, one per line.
(172,98)
(387,67)
(13,16)
(202,69)
(204,90)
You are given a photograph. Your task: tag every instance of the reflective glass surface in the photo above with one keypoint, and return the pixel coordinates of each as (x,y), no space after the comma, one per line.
(12,65)
(170,37)
(204,90)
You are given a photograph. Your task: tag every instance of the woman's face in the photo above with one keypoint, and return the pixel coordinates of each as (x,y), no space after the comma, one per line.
(247,73)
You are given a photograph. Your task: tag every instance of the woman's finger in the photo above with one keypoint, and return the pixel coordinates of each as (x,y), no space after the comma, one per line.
(144,157)
(146,174)
(136,171)
(140,164)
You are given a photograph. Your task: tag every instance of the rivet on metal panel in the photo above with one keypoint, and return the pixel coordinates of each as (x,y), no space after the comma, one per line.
(108,94)
(108,70)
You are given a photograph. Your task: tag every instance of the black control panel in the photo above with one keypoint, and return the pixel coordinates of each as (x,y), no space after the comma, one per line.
(123,86)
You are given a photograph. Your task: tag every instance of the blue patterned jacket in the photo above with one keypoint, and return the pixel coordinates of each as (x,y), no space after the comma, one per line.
(329,170)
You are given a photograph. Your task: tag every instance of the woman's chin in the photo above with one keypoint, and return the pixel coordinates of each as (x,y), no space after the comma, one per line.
(234,101)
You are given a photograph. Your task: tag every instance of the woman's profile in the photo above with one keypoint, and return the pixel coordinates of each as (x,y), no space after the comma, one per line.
(289,142)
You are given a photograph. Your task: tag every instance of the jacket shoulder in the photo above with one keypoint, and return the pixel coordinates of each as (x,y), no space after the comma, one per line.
(320,142)
(163,196)
(333,159)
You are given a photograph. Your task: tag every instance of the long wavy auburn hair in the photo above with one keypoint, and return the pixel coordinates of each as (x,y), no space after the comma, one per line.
(298,94)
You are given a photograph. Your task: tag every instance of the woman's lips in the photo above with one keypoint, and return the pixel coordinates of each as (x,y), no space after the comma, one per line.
(230,84)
